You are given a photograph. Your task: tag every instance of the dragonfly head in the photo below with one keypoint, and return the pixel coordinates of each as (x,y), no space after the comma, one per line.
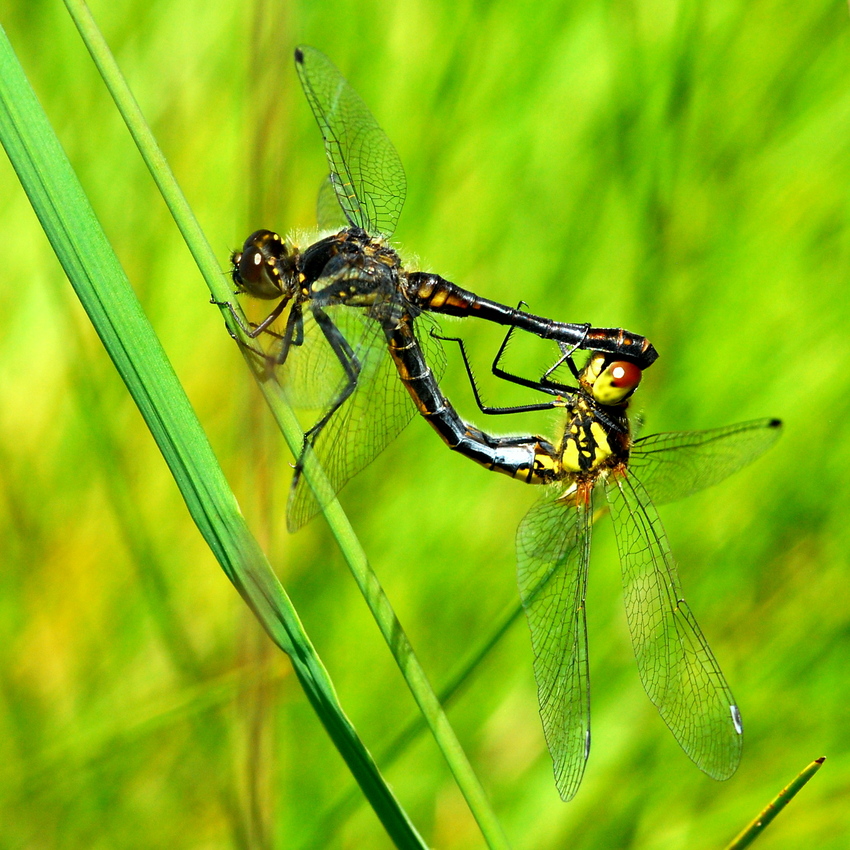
(265,267)
(610,382)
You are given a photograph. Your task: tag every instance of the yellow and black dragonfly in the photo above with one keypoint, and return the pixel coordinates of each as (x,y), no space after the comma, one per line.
(354,319)
(596,452)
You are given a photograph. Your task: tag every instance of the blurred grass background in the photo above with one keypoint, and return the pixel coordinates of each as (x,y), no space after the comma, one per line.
(677,168)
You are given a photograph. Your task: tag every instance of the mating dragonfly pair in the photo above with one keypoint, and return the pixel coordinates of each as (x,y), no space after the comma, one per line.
(353,338)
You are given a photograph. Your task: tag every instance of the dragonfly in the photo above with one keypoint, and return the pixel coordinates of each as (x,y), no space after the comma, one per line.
(596,452)
(354,319)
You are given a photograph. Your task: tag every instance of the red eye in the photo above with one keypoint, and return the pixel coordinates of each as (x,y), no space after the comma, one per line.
(624,375)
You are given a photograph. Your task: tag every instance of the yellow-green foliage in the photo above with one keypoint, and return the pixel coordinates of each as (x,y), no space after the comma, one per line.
(677,168)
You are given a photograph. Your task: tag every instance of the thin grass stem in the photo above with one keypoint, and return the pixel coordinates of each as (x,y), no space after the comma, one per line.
(754,829)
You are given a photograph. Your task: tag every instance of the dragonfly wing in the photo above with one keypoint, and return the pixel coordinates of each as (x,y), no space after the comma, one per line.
(424,328)
(312,375)
(366,422)
(329,214)
(677,464)
(553,549)
(676,665)
(366,171)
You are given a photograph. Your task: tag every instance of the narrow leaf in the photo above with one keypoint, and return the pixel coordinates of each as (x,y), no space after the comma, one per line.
(106,294)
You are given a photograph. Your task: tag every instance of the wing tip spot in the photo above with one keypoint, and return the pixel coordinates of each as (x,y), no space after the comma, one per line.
(736,719)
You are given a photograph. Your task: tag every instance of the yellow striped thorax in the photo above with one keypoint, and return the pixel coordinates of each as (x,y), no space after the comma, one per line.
(597,428)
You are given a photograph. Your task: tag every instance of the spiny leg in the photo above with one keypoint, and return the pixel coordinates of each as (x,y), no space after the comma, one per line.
(567,352)
(350,364)
(524,408)
(546,386)
(251,330)
(293,332)
(543,385)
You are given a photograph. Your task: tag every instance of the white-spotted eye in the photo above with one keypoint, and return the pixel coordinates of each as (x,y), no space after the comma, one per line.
(256,268)
(617,382)
(248,262)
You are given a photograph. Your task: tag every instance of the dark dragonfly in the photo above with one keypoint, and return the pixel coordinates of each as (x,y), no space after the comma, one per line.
(342,365)
(677,668)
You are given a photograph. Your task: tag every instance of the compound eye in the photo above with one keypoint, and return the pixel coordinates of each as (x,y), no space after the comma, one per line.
(249,265)
(617,382)
(624,375)
(255,270)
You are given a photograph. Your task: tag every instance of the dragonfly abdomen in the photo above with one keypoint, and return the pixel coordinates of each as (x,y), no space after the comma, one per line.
(529,459)
(429,291)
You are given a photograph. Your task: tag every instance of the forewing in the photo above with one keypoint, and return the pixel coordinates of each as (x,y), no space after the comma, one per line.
(674,465)
(553,548)
(374,414)
(312,375)
(676,665)
(329,214)
(366,171)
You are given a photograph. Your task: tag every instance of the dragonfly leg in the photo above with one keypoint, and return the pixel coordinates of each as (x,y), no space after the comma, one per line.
(524,408)
(544,385)
(567,352)
(351,366)
(251,330)
(293,332)
(259,354)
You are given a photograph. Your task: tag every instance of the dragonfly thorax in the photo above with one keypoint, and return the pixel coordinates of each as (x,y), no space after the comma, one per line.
(596,436)
(351,268)
(585,446)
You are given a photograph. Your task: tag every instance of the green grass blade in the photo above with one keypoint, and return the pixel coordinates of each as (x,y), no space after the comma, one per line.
(774,807)
(345,805)
(341,528)
(106,295)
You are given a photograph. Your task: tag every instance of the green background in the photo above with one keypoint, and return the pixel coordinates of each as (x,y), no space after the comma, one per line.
(676,168)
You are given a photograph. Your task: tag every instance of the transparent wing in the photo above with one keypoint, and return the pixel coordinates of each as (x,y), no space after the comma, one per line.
(676,665)
(427,331)
(312,375)
(366,172)
(369,419)
(677,464)
(553,549)
(329,214)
